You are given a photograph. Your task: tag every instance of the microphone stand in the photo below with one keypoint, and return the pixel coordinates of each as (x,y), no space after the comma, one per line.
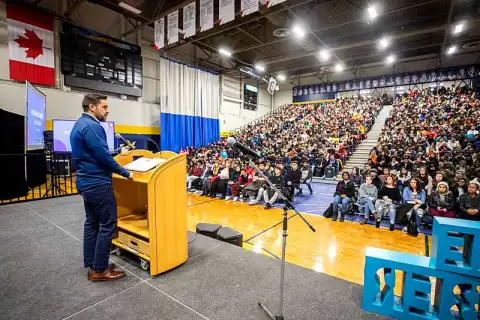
(287,206)
(156,145)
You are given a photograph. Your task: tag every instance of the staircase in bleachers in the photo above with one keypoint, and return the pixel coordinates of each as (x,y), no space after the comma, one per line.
(360,155)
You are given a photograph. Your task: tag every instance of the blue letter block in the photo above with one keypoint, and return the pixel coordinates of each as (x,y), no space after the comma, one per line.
(416,301)
(456,246)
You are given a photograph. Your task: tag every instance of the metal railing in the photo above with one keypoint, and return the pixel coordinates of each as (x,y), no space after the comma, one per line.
(38,175)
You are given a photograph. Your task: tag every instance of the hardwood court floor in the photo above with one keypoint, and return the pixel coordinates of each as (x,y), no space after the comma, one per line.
(337,249)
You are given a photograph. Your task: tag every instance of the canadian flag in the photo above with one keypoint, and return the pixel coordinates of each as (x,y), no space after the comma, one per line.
(30,45)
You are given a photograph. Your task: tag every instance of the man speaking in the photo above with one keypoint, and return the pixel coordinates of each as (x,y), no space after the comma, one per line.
(95,166)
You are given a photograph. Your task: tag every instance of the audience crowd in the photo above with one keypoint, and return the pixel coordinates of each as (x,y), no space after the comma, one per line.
(425,164)
(293,142)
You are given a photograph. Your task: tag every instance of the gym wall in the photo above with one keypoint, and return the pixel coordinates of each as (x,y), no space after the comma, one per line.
(232,114)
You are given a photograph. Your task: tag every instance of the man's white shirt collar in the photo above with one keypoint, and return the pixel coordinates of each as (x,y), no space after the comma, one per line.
(88,114)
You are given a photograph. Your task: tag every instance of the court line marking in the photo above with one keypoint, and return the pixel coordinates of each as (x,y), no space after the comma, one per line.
(141,280)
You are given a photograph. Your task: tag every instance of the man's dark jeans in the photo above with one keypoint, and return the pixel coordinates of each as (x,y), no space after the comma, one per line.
(100,225)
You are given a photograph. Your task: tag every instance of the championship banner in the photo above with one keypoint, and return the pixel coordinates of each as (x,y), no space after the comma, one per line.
(189,23)
(226,11)
(159,34)
(206,15)
(248,7)
(172,27)
(271,3)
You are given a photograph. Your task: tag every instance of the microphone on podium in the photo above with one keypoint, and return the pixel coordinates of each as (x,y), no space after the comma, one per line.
(245,150)
(128,143)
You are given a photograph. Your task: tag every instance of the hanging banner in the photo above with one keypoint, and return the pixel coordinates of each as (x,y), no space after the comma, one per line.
(226,11)
(249,7)
(172,27)
(317,92)
(206,15)
(159,34)
(271,3)
(189,23)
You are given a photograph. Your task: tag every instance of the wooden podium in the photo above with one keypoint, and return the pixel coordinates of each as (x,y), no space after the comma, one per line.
(152,211)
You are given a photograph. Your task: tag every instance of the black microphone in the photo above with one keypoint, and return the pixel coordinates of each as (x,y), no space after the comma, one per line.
(128,143)
(245,150)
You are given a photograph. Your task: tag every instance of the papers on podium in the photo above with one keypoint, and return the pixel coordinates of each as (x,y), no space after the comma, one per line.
(144,164)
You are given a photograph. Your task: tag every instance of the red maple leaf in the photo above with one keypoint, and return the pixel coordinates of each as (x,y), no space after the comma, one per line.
(32,42)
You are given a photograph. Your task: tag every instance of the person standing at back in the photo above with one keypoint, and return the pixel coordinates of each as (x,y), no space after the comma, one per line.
(95,166)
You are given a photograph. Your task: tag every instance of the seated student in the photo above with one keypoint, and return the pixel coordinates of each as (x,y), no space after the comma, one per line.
(356,176)
(306,176)
(234,176)
(389,197)
(343,195)
(459,188)
(469,204)
(294,175)
(404,176)
(415,195)
(367,194)
(220,184)
(194,174)
(442,201)
(238,189)
(256,187)
(270,195)
(375,179)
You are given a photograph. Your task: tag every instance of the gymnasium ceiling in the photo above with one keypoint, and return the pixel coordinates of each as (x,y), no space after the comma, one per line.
(415,28)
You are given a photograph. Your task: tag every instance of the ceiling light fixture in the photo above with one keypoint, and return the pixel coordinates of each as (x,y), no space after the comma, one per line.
(452,50)
(325,54)
(260,67)
(391,59)
(298,31)
(281,77)
(128,7)
(225,52)
(384,43)
(458,28)
(372,12)
(339,67)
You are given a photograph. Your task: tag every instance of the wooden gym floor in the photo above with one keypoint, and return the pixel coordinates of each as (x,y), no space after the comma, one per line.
(337,249)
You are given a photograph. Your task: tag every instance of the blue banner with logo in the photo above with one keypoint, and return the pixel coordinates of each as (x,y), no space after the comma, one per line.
(327,91)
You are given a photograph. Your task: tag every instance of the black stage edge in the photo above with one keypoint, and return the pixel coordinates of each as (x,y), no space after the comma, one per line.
(42,277)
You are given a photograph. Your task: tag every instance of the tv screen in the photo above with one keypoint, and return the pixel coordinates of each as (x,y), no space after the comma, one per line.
(36,117)
(63,128)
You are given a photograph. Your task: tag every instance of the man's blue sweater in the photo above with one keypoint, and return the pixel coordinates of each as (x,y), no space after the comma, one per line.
(95,164)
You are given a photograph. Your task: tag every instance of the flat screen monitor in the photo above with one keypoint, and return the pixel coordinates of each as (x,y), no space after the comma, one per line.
(36,105)
(63,128)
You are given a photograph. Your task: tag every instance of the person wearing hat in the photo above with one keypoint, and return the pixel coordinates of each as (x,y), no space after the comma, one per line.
(469,203)
(442,201)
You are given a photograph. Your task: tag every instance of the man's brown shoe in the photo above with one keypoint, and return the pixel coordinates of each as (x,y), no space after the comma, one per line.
(111,266)
(107,275)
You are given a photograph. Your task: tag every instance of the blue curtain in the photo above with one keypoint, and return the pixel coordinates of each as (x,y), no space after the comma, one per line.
(179,131)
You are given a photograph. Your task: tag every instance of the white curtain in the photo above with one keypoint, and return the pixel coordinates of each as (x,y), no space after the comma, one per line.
(207,95)
(190,104)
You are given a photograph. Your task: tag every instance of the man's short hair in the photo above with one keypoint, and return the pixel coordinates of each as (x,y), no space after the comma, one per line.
(92,98)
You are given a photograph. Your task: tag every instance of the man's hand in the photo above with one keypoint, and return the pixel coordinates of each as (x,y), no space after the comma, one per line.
(130,177)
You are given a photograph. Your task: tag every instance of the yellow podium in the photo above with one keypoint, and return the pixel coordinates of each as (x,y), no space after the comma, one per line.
(152,211)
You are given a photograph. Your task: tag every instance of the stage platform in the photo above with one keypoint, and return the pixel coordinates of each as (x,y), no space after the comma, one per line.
(42,277)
